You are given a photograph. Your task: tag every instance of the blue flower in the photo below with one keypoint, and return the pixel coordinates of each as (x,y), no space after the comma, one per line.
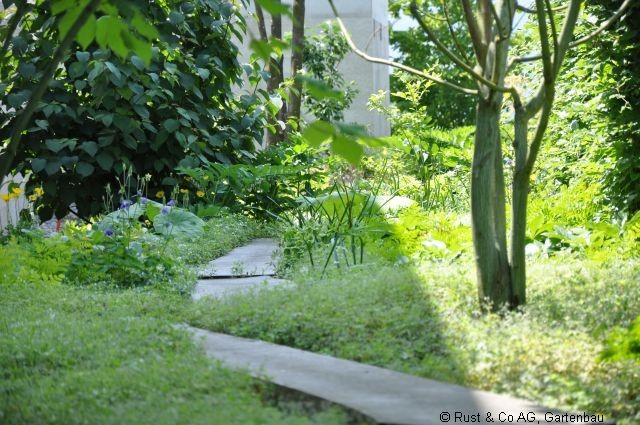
(139,194)
(171,202)
(108,231)
(165,210)
(125,204)
(143,201)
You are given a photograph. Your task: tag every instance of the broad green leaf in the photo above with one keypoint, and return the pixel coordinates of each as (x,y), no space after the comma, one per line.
(137,62)
(319,89)
(38,164)
(261,48)
(171,125)
(59,6)
(76,70)
(176,17)
(67,21)
(84,169)
(143,27)
(105,160)
(27,70)
(274,7)
(89,147)
(88,32)
(83,56)
(318,132)
(347,148)
(178,223)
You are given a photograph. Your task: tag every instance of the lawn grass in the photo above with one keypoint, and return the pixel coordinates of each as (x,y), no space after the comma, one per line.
(221,235)
(82,356)
(425,321)
(96,355)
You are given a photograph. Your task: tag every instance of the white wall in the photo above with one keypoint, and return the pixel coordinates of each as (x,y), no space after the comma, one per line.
(367,22)
(10,211)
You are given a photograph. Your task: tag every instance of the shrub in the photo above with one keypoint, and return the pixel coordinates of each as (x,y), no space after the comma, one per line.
(102,113)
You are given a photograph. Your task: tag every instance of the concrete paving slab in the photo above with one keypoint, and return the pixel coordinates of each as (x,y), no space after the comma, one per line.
(219,288)
(253,259)
(386,396)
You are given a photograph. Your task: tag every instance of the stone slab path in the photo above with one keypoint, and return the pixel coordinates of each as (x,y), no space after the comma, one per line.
(219,288)
(243,268)
(254,259)
(385,396)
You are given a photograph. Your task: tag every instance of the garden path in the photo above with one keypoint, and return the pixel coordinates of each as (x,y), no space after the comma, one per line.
(383,395)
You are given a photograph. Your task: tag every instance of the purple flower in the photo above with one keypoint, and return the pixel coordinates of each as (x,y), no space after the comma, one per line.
(108,231)
(125,204)
(165,210)
(171,202)
(139,194)
(143,201)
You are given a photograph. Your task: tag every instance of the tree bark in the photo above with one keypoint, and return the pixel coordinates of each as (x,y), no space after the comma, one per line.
(297,48)
(486,197)
(275,69)
(520,190)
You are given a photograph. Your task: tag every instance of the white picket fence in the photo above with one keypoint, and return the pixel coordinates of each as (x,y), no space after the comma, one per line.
(10,211)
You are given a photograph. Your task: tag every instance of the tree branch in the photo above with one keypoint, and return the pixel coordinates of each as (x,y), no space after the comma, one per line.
(525,9)
(445,9)
(606,24)
(474,32)
(262,27)
(403,67)
(451,55)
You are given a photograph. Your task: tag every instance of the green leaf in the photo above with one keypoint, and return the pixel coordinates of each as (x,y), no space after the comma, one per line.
(318,132)
(67,21)
(137,62)
(76,69)
(142,111)
(52,167)
(114,69)
(171,125)
(80,84)
(105,161)
(319,89)
(274,7)
(176,17)
(261,48)
(347,148)
(83,56)
(107,28)
(43,124)
(38,164)
(84,169)
(59,6)
(179,223)
(89,147)
(143,27)
(27,70)
(87,33)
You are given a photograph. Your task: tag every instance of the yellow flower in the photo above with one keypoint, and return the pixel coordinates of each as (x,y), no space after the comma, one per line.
(33,197)
(160,194)
(5,197)
(206,177)
(17,191)
(184,191)
(199,194)
(187,178)
(39,191)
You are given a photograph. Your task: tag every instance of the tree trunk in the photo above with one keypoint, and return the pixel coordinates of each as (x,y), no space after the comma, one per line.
(297,48)
(275,69)
(487,207)
(520,188)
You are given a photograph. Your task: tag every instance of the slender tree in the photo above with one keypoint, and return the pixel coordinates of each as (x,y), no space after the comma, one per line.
(297,50)
(501,274)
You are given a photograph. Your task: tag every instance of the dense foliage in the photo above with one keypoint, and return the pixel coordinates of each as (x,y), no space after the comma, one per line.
(102,113)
